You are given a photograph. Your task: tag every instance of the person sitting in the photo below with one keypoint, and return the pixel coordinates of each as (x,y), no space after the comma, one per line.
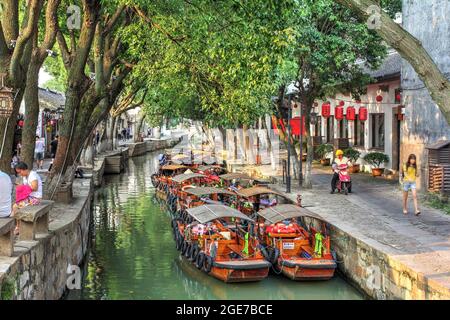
(5,195)
(339,160)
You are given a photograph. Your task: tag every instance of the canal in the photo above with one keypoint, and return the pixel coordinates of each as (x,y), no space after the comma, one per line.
(133,255)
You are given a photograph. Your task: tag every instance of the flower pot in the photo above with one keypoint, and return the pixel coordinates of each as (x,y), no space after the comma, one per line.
(325,162)
(377,172)
(354,169)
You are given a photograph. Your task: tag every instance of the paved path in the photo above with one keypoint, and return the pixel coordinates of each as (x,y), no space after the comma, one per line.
(373,213)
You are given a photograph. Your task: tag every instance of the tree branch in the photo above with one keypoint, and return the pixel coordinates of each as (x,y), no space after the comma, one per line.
(112,22)
(51,29)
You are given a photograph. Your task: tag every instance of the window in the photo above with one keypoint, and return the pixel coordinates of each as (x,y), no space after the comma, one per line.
(358,134)
(343,128)
(377,120)
(330,129)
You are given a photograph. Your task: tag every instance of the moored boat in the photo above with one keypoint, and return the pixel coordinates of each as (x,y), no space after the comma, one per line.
(217,240)
(296,252)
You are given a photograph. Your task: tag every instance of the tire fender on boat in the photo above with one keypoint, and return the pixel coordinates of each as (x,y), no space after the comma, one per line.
(179,242)
(199,261)
(275,255)
(187,252)
(264,253)
(194,252)
(207,264)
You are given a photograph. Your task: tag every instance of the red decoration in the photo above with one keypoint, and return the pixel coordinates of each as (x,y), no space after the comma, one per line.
(363,113)
(20,123)
(326,110)
(379,98)
(351,112)
(339,113)
(342,103)
(295,126)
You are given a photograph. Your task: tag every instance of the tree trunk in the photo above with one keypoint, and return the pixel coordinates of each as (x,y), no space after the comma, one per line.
(140,122)
(411,50)
(31,114)
(307,181)
(7,133)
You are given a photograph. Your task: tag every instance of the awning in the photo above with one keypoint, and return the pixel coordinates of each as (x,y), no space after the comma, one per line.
(183,177)
(210,212)
(286,211)
(173,167)
(201,191)
(235,175)
(253,191)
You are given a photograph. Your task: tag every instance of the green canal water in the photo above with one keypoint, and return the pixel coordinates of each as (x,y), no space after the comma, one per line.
(133,254)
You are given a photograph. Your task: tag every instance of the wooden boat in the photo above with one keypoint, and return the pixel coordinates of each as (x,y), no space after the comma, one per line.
(297,253)
(216,239)
(253,199)
(191,197)
(162,180)
(180,182)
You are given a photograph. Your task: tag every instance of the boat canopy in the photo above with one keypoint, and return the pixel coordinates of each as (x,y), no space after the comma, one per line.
(210,166)
(235,175)
(173,167)
(201,191)
(210,212)
(254,191)
(286,211)
(183,177)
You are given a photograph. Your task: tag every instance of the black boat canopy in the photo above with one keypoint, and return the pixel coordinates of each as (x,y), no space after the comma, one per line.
(210,212)
(286,211)
(235,175)
(183,177)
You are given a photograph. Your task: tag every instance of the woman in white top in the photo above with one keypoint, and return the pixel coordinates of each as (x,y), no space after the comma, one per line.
(32,179)
(5,195)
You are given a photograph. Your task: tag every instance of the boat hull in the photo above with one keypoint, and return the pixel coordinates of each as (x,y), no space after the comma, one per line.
(248,271)
(308,270)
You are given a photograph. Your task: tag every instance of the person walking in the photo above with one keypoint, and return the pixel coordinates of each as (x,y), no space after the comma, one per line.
(39,151)
(53,150)
(409,174)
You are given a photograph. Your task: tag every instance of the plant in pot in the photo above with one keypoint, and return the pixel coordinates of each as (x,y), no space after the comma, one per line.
(322,151)
(353,155)
(376,159)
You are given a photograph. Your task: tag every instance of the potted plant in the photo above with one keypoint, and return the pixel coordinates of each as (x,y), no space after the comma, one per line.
(376,159)
(322,151)
(353,155)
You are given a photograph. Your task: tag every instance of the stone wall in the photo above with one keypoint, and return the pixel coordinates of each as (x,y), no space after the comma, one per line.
(377,274)
(38,269)
(424,123)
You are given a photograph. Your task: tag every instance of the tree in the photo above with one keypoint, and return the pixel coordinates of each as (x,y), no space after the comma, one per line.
(410,49)
(38,56)
(330,41)
(15,55)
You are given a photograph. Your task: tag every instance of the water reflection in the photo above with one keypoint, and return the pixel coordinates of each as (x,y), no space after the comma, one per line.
(133,254)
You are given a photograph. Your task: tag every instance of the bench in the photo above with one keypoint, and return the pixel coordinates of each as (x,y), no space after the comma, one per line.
(34,220)
(7,236)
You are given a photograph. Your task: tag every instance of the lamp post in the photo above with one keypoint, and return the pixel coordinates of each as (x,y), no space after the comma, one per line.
(288,170)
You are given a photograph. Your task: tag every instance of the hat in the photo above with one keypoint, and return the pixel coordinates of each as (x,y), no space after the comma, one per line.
(339,153)
(23,192)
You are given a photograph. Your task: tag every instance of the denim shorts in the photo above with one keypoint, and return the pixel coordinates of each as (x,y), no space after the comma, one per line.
(409,186)
(39,156)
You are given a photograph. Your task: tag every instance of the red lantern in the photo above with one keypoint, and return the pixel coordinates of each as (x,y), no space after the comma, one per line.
(20,123)
(295,126)
(342,103)
(351,113)
(339,113)
(379,98)
(363,113)
(326,110)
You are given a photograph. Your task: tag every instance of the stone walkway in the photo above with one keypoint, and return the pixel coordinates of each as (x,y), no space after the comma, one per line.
(373,214)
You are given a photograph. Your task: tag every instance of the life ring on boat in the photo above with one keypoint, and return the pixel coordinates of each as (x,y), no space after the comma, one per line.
(187,252)
(199,260)
(207,264)
(184,247)
(179,242)
(264,252)
(274,256)
(194,252)
(154,179)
